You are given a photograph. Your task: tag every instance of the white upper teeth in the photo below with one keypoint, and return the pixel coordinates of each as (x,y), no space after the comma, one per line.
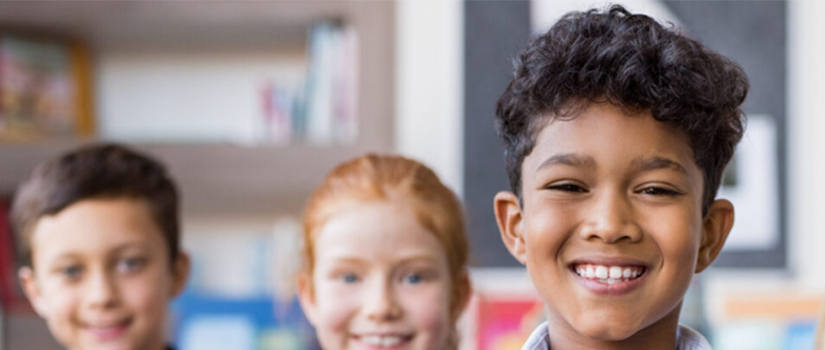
(608,274)
(379,340)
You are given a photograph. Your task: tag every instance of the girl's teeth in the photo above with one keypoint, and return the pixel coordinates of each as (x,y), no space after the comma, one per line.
(601,272)
(615,272)
(382,340)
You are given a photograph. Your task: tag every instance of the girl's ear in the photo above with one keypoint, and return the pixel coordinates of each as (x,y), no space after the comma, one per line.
(180,273)
(715,230)
(511,224)
(306,296)
(32,290)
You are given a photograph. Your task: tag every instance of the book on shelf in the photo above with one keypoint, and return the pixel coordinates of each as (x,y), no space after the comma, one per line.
(323,110)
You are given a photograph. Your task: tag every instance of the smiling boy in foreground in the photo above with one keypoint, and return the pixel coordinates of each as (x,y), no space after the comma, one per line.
(616,132)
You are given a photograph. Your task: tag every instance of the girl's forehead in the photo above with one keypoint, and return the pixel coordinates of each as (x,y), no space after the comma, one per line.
(375,230)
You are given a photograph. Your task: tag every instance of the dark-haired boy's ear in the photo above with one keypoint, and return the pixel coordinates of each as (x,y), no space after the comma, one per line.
(511,224)
(715,230)
(306,296)
(180,273)
(32,290)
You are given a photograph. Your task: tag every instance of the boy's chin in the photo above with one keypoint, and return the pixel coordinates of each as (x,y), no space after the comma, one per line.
(607,331)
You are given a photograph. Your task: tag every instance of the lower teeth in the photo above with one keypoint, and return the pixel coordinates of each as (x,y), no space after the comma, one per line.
(612,281)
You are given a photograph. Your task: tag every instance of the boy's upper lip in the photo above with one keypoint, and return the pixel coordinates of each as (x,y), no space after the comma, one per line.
(106,322)
(608,261)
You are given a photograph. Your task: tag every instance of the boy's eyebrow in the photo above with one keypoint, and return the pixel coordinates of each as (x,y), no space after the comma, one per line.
(657,162)
(64,258)
(128,246)
(570,159)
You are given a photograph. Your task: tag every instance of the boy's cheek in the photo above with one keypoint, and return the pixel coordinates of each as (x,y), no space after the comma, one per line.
(58,300)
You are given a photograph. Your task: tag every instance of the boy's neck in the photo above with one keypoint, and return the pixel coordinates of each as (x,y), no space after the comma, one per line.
(659,335)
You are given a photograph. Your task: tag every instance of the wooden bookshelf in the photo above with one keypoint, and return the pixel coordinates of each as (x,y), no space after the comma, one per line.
(223,177)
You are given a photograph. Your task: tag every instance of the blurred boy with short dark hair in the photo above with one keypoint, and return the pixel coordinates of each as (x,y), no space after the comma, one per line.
(99,243)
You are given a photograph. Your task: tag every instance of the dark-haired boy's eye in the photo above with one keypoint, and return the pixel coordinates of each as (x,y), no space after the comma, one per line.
(567,187)
(659,191)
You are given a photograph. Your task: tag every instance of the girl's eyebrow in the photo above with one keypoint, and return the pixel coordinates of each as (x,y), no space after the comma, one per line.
(348,260)
(418,258)
(571,159)
(351,260)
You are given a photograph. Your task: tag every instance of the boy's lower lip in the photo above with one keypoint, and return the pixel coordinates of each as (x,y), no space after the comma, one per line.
(616,288)
(109,332)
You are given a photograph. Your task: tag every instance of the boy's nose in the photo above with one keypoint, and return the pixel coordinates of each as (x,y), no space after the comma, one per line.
(381,303)
(611,220)
(101,290)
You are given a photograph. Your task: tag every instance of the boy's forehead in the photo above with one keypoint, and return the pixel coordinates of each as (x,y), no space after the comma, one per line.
(604,129)
(96,225)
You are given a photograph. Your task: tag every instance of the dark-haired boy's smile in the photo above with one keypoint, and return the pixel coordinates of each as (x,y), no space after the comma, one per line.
(609,274)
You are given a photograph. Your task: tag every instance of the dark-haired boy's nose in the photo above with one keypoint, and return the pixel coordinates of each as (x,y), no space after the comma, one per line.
(610,220)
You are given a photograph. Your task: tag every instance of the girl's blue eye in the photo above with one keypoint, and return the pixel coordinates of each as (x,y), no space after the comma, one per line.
(413,278)
(349,278)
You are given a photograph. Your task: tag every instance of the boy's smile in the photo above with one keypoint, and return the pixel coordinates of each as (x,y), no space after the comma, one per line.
(610,226)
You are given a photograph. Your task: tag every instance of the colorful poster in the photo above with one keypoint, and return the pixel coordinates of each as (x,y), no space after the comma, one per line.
(504,323)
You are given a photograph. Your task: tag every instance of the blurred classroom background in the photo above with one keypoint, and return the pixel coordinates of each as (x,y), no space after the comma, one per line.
(250,103)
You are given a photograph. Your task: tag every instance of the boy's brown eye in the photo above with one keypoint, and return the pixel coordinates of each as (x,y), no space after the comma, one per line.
(659,191)
(567,187)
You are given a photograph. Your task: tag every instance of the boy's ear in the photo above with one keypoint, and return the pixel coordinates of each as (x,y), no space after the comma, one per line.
(32,290)
(180,273)
(715,230)
(306,296)
(511,224)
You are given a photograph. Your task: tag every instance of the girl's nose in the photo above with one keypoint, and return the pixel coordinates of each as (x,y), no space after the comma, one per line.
(381,304)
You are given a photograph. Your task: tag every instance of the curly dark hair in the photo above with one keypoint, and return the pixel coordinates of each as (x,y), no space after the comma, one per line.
(94,172)
(630,61)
